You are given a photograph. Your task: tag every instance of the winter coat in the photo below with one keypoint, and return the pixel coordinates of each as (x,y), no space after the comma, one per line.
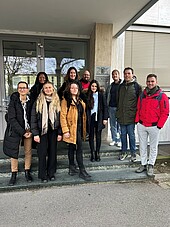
(15,125)
(102,113)
(35,91)
(151,111)
(127,103)
(69,118)
(36,122)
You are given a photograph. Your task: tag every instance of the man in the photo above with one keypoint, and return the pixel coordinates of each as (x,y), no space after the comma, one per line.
(128,93)
(85,81)
(152,113)
(111,97)
(18,128)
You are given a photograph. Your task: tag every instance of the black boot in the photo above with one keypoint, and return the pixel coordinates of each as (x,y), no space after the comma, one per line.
(92,156)
(97,156)
(13,179)
(72,170)
(84,175)
(28,176)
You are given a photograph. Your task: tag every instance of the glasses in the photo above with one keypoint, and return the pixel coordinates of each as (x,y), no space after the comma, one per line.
(150,81)
(22,88)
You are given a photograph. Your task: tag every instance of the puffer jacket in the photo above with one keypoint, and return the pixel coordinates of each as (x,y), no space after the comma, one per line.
(151,111)
(68,120)
(127,103)
(15,125)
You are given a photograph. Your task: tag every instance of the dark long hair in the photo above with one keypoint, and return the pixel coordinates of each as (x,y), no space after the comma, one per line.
(68,95)
(38,75)
(68,74)
(90,99)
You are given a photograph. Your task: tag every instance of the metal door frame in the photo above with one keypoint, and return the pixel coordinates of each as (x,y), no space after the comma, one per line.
(40,67)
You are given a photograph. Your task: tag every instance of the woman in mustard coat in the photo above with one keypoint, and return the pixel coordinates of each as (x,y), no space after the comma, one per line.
(73,124)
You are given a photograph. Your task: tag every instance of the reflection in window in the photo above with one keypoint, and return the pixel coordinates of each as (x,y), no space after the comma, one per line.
(20,63)
(62,54)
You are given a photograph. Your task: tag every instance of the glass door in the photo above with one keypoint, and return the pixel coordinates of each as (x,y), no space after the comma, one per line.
(20,61)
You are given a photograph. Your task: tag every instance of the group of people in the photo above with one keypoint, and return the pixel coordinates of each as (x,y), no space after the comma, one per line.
(130,106)
(45,116)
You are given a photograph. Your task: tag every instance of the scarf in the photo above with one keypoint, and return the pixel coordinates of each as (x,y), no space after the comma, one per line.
(95,108)
(24,106)
(152,91)
(48,114)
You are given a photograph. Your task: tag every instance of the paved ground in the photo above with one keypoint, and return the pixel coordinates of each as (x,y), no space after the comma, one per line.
(90,205)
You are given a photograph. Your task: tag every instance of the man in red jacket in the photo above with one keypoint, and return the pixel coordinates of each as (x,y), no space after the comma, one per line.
(152,113)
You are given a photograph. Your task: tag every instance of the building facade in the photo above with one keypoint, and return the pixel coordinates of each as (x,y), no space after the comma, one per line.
(52,36)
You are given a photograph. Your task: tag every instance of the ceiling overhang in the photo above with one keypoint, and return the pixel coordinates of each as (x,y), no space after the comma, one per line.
(74,18)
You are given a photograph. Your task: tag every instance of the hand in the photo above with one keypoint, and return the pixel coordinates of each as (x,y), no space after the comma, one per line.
(67,135)
(27,134)
(104,122)
(59,138)
(37,139)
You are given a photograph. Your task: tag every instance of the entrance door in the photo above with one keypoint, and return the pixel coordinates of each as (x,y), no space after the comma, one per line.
(19,61)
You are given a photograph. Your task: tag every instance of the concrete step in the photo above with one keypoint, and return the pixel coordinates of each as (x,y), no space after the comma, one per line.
(107,162)
(62,178)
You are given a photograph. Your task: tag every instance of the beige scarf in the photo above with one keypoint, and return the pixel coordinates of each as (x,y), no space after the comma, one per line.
(47,114)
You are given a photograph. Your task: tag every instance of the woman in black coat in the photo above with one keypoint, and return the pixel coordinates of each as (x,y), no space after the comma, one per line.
(36,88)
(18,128)
(45,127)
(97,114)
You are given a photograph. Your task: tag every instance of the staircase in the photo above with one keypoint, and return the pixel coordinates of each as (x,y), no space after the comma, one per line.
(109,169)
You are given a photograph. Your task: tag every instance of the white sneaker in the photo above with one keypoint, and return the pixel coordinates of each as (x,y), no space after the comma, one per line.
(112,143)
(118,144)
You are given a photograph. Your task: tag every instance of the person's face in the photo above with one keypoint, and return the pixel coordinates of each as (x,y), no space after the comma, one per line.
(74,89)
(86,75)
(23,89)
(94,87)
(151,82)
(48,89)
(128,75)
(73,74)
(115,76)
(42,78)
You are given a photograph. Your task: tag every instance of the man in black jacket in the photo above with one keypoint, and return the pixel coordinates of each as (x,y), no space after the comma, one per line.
(18,128)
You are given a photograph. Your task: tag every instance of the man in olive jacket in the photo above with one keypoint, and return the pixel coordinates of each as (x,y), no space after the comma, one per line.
(128,94)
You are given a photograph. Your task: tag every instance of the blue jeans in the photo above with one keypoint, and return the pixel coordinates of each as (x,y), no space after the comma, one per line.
(114,125)
(130,131)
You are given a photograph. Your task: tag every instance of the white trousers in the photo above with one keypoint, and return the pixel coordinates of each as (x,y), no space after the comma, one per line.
(153,134)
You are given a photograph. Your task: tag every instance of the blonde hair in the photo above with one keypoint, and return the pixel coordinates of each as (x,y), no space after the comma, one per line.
(55,101)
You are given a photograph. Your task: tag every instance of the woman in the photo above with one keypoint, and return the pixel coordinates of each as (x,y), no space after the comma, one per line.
(73,124)
(97,113)
(71,76)
(46,130)
(36,88)
(18,128)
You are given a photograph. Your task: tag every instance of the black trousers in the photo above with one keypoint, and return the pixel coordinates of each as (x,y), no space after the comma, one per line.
(94,131)
(79,153)
(47,154)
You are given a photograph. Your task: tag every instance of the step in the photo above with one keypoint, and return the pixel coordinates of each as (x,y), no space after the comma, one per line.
(107,162)
(120,175)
